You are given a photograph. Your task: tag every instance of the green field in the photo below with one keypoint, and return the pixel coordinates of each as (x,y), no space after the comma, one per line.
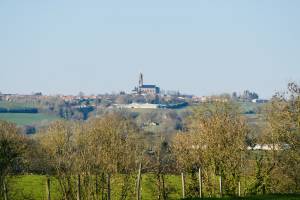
(8,104)
(263,197)
(22,119)
(32,187)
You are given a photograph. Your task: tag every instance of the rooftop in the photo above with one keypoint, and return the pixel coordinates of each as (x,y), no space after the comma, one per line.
(148,86)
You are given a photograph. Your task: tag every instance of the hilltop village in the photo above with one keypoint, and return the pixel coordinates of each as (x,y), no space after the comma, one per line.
(148,103)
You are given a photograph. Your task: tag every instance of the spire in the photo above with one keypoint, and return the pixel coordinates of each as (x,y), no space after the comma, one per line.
(141,80)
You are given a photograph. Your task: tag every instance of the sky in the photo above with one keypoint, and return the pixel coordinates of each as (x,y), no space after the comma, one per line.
(200,47)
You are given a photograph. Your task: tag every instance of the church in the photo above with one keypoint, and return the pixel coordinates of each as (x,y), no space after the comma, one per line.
(146,89)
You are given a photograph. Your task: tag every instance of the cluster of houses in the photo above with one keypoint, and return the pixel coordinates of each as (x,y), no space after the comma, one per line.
(13,97)
(141,89)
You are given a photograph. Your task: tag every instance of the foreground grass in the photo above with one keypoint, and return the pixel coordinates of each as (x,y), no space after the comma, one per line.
(263,197)
(33,187)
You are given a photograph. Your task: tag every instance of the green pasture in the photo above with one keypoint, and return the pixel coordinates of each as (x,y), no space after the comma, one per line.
(22,119)
(16,105)
(33,187)
(259,197)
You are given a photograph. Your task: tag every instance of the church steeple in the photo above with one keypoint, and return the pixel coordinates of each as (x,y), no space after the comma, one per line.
(141,80)
(145,88)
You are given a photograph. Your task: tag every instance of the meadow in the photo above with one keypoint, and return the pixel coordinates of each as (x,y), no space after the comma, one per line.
(22,119)
(262,197)
(33,187)
(10,104)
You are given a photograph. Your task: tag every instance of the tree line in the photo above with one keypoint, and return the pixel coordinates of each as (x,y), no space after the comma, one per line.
(216,153)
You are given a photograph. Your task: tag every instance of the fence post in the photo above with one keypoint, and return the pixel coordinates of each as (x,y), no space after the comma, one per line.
(78,188)
(103,186)
(221,192)
(48,196)
(138,185)
(108,186)
(200,183)
(183,186)
(239,188)
(97,187)
(4,189)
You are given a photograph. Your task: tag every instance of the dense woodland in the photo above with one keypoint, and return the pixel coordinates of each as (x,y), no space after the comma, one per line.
(214,144)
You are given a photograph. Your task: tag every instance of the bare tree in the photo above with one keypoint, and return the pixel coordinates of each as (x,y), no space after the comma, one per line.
(114,148)
(58,142)
(282,134)
(215,142)
(12,151)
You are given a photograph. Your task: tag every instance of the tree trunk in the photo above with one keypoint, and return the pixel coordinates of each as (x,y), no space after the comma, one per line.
(200,183)
(108,186)
(183,185)
(48,193)
(78,188)
(138,184)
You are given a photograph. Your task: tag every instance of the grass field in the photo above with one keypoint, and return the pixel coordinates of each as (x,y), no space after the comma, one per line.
(27,118)
(8,104)
(264,197)
(22,119)
(32,187)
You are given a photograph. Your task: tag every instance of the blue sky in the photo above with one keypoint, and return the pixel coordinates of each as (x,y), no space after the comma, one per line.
(198,47)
